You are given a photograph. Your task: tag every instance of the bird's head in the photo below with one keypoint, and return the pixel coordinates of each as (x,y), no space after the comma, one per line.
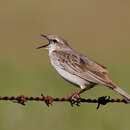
(54,43)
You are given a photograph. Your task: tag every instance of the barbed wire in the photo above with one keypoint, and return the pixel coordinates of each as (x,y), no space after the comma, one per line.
(21,99)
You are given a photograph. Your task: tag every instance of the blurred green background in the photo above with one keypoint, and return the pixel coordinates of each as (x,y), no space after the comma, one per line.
(99,29)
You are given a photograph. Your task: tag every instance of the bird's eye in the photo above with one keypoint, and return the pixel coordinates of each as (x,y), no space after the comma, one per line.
(54,40)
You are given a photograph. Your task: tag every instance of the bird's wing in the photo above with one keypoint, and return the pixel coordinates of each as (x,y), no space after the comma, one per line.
(82,66)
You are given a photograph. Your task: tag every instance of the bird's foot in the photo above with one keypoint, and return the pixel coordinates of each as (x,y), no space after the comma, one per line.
(74,99)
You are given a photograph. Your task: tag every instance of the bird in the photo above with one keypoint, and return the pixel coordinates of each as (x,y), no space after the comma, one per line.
(77,68)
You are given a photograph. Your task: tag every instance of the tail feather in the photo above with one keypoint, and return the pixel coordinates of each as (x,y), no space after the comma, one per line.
(120,91)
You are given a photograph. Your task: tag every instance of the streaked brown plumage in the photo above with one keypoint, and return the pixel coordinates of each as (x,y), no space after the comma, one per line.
(77,68)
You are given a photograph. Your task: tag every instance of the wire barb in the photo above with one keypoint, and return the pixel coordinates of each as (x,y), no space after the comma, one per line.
(21,99)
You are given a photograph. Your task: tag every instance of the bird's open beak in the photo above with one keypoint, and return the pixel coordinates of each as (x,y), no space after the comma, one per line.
(44,46)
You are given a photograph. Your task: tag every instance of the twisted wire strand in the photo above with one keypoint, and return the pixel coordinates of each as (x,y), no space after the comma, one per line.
(21,99)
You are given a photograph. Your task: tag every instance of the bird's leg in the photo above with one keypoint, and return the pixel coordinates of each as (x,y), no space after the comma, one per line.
(75,97)
(77,93)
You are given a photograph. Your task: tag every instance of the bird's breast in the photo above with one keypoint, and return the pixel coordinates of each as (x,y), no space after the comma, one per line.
(65,74)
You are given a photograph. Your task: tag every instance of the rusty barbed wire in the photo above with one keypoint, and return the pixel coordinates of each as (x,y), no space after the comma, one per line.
(21,99)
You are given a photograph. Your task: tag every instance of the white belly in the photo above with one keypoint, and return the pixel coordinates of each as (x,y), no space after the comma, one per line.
(72,78)
(68,76)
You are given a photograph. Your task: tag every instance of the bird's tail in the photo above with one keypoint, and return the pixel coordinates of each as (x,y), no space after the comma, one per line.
(120,91)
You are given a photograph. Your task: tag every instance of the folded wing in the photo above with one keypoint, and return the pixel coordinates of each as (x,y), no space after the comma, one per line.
(83,67)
